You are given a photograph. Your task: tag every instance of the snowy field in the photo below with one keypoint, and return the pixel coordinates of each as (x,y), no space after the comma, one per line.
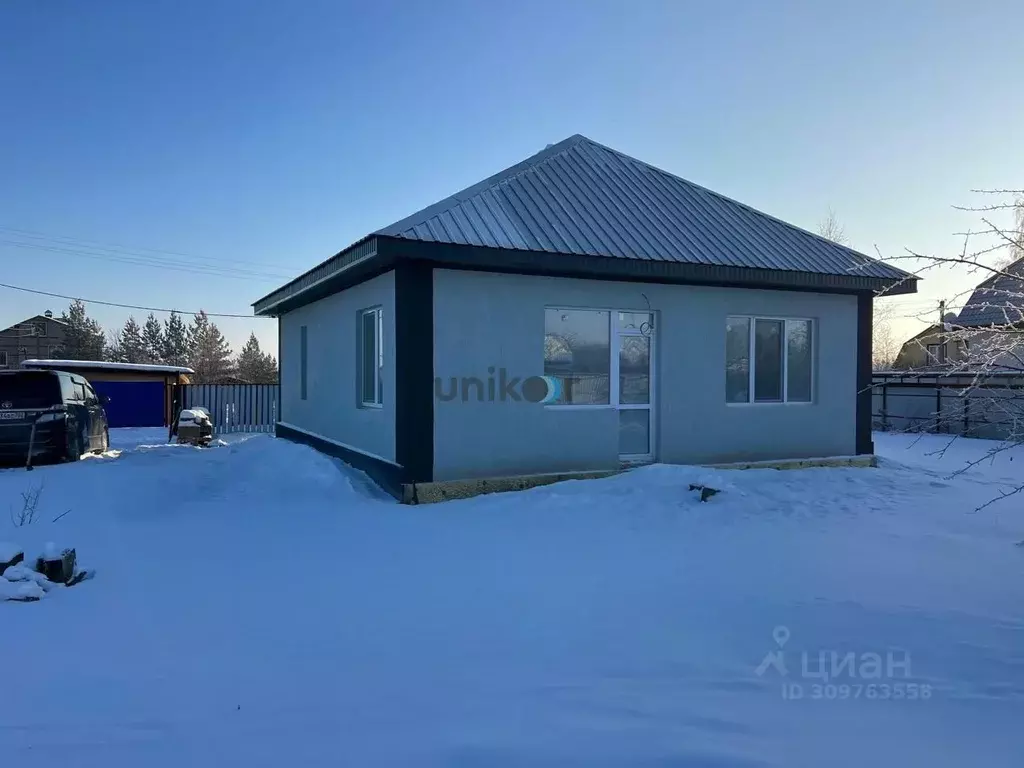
(258,604)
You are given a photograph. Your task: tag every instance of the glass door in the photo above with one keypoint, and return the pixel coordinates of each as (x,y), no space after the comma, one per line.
(633,384)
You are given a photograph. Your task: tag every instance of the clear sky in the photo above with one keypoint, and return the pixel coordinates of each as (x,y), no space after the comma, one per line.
(254,139)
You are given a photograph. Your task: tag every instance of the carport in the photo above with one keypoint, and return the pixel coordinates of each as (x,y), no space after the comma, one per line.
(140,395)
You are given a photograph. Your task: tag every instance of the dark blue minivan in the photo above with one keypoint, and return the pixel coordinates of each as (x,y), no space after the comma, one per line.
(67,413)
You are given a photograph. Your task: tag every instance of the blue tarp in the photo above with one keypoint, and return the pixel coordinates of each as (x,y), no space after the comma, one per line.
(133,403)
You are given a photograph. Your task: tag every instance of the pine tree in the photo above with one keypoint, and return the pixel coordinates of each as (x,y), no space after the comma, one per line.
(130,346)
(153,339)
(83,336)
(176,341)
(270,372)
(113,352)
(210,354)
(254,366)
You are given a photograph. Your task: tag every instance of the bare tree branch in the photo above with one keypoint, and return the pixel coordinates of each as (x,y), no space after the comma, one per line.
(980,379)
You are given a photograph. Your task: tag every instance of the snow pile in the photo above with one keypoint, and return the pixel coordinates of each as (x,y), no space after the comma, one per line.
(21,583)
(616,622)
(55,566)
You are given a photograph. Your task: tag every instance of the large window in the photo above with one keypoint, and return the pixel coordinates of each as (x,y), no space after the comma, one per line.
(371,357)
(577,352)
(768,360)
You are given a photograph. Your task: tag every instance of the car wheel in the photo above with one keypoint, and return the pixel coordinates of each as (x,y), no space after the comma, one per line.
(106,443)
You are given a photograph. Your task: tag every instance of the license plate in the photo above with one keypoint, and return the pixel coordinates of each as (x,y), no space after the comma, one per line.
(12,415)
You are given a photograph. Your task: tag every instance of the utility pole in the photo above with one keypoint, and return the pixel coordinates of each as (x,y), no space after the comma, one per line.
(942,332)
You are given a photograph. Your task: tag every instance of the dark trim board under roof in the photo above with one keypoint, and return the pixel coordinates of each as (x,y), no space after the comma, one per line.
(389,251)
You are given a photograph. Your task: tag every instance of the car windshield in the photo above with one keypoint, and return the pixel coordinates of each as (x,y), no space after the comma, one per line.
(31,389)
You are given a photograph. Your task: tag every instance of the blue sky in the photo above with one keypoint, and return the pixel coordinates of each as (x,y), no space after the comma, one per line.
(261,137)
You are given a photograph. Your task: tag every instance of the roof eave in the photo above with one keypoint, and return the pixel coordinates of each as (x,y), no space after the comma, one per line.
(353,266)
(361,252)
(507,260)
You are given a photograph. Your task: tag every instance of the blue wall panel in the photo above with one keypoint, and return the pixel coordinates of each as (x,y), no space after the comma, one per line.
(133,403)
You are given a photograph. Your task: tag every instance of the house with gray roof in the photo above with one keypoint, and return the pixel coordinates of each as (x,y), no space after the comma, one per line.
(580,311)
(997,301)
(40,336)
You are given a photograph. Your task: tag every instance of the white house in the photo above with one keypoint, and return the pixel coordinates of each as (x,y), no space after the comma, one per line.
(579,311)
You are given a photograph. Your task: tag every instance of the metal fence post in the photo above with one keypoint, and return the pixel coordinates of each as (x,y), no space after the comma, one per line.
(885,404)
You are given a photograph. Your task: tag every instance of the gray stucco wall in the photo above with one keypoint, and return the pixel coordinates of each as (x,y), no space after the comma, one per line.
(483,320)
(331,408)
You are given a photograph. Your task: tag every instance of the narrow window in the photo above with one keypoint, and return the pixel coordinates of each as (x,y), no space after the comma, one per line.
(3,358)
(768,361)
(737,360)
(798,361)
(371,357)
(302,361)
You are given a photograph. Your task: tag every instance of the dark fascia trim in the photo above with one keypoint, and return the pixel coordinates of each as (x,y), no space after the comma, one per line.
(356,264)
(385,474)
(633,270)
(864,444)
(374,256)
(414,370)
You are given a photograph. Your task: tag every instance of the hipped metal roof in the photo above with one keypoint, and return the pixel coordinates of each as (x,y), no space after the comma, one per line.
(580,198)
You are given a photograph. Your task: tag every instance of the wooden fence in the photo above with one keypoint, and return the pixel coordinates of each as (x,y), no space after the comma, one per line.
(232,407)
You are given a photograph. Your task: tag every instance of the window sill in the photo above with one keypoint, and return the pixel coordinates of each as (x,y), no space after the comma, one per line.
(571,407)
(771,403)
(632,462)
(372,406)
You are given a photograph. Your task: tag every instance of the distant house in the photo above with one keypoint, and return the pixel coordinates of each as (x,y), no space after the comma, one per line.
(997,301)
(978,335)
(937,347)
(38,337)
(581,310)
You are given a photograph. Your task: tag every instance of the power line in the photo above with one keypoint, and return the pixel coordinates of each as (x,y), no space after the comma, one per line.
(151,261)
(123,306)
(108,246)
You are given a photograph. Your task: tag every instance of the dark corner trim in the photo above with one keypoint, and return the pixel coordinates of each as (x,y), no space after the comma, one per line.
(414,370)
(864,377)
(280,371)
(386,475)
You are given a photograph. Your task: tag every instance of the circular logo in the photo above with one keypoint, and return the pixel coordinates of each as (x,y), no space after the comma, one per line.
(542,389)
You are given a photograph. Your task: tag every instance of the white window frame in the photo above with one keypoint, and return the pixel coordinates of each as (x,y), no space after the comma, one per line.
(939,355)
(615,332)
(378,372)
(752,401)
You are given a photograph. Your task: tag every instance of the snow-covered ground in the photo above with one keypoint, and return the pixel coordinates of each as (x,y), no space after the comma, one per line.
(258,604)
